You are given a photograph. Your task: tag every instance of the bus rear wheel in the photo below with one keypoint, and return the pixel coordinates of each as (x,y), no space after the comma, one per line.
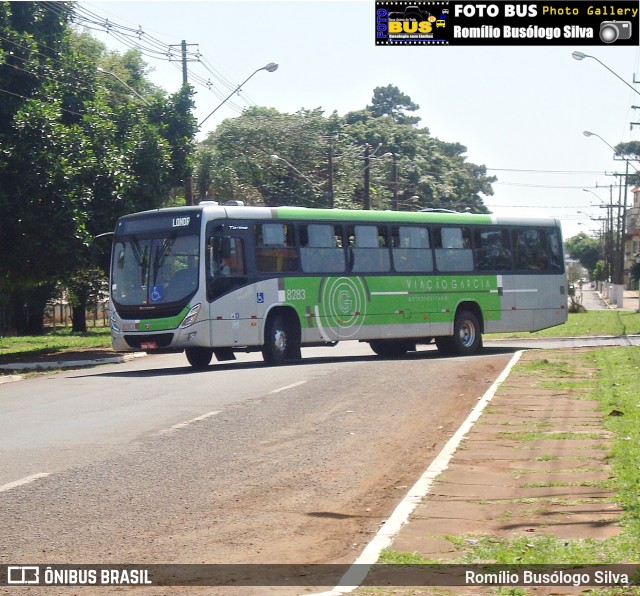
(467,337)
(199,357)
(281,342)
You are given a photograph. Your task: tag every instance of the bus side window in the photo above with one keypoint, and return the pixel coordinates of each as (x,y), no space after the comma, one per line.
(492,249)
(275,248)
(321,249)
(453,249)
(370,249)
(530,249)
(232,261)
(556,259)
(226,269)
(411,249)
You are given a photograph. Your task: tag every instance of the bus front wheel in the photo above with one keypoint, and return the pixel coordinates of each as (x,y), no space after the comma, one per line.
(281,342)
(199,357)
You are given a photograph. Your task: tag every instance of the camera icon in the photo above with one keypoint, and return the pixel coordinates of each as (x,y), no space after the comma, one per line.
(611,31)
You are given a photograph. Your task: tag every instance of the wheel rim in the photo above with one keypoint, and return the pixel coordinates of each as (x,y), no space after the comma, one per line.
(280,341)
(467,333)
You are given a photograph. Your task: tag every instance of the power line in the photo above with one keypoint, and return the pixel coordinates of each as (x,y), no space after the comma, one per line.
(51,100)
(545,171)
(539,206)
(524,185)
(152,47)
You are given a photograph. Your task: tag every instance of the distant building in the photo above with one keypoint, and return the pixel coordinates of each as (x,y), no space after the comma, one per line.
(632,236)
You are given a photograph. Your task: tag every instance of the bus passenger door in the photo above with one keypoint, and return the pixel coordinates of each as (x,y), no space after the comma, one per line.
(227,290)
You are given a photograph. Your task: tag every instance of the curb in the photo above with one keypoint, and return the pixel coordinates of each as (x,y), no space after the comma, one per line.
(62,364)
(570,338)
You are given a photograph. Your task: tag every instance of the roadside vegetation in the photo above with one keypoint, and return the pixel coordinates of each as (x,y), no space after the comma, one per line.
(615,386)
(52,342)
(591,323)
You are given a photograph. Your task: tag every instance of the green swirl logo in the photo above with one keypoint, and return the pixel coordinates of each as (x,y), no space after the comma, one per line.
(344,304)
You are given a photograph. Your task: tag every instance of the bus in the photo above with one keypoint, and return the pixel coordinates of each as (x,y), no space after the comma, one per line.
(216,279)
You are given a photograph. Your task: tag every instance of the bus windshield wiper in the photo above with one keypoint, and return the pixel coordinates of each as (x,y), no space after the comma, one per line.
(160,255)
(141,258)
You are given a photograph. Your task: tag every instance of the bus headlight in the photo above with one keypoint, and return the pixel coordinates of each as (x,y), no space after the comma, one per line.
(114,323)
(190,319)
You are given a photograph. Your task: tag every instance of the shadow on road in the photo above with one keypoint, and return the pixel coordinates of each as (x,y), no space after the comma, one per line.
(220,367)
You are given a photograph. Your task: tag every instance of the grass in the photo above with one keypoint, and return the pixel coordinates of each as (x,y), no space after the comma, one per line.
(540,436)
(552,369)
(60,340)
(595,322)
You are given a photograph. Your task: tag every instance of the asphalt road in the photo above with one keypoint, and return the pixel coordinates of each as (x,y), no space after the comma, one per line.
(149,461)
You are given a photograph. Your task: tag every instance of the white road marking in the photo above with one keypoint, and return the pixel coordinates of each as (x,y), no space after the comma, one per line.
(22,481)
(182,425)
(359,570)
(287,387)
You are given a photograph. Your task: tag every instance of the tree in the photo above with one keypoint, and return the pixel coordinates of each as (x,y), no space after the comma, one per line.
(270,158)
(41,144)
(78,150)
(434,171)
(599,272)
(390,101)
(634,272)
(586,249)
(235,162)
(630,150)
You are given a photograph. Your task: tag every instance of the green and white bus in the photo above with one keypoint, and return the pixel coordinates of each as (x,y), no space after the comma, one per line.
(216,279)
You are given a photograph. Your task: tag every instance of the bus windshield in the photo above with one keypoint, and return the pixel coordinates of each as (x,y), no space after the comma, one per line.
(150,270)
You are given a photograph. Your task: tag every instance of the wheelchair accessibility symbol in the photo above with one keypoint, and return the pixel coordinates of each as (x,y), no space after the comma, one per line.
(156,294)
(260,297)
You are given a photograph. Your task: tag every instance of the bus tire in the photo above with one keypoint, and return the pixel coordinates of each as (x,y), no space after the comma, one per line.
(389,348)
(467,337)
(281,342)
(199,357)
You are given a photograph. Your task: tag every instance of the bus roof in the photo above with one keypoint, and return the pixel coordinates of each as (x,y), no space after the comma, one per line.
(212,210)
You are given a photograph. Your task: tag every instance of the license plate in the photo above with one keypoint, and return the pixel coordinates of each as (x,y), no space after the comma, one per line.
(148,345)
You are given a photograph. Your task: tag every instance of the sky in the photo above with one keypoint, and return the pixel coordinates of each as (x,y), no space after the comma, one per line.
(520,111)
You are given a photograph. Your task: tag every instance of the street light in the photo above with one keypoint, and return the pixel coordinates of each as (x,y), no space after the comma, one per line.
(594,194)
(582,56)
(618,269)
(588,133)
(271,67)
(316,187)
(275,158)
(113,74)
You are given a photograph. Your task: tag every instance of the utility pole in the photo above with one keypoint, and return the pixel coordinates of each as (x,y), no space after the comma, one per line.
(394,176)
(185,58)
(188,178)
(330,190)
(367,182)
